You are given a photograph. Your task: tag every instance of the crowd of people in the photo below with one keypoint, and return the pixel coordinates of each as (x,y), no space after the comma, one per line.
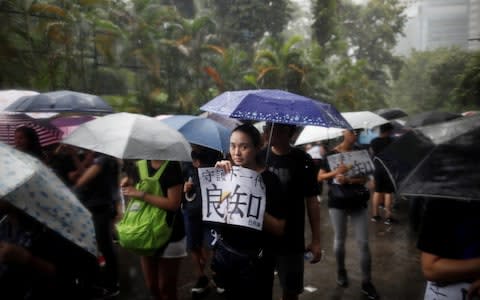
(35,262)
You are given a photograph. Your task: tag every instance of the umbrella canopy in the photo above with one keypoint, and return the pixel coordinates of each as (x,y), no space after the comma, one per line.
(33,188)
(363,119)
(275,106)
(391,113)
(312,134)
(357,120)
(61,101)
(7,97)
(201,131)
(47,134)
(436,161)
(450,170)
(67,124)
(429,118)
(131,136)
(230,123)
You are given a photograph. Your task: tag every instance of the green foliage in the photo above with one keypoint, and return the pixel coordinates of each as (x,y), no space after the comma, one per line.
(157,57)
(443,79)
(243,22)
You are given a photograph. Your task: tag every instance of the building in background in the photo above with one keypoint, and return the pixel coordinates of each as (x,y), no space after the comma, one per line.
(433,24)
(474,25)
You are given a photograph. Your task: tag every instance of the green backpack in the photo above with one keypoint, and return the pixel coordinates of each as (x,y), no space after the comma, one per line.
(144,228)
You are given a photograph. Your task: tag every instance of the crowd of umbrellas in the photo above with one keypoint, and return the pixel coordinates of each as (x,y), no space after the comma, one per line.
(432,156)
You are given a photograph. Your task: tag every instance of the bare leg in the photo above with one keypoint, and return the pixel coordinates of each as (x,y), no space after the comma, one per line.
(378,198)
(388,205)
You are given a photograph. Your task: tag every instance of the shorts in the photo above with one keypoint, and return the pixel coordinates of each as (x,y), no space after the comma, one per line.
(290,270)
(175,249)
(198,234)
(383,184)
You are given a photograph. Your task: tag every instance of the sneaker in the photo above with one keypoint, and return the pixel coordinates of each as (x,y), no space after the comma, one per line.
(201,285)
(220,290)
(369,290)
(376,219)
(219,286)
(389,221)
(342,278)
(99,293)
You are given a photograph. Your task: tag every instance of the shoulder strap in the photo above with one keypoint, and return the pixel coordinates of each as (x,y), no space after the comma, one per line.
(159,173)
(143,169)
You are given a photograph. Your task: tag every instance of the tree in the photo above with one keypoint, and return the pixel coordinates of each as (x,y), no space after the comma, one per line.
(325,28)
(279,64)
(467,91)
(360,37)
(245,22)
(429,79)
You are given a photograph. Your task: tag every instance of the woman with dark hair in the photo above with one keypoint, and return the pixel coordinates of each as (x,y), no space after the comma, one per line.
(244,257)
(26,140)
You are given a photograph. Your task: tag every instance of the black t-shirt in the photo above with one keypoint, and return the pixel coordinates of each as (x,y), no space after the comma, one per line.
(296,172)
(244,238)
(101,190)
(172,176)
(451,229)
(378,144)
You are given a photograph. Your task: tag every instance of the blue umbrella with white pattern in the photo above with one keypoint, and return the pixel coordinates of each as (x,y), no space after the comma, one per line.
(34,188)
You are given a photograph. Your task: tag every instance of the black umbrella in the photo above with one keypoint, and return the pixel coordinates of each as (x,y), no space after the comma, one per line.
(429,118)
(61,101)
(391,113)
(438,161)
(403,154)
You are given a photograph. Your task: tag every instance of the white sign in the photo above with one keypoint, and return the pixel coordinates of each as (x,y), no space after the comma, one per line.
(455,291)
(235,198)
(358,162)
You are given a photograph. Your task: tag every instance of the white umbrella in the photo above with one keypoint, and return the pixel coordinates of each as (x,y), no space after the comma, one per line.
(357,119)
(29,185)
(311,134)
(131,136)
(364,119)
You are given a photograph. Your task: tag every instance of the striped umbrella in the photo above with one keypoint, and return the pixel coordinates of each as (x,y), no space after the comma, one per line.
(47,134)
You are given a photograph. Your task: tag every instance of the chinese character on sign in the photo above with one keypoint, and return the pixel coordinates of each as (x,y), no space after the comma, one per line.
(359,162)
(234,198)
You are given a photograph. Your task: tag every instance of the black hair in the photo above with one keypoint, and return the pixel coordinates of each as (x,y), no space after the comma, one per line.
(256,137)
(206,156)
(252,132)
(34,147)
(291,127)
(386,127)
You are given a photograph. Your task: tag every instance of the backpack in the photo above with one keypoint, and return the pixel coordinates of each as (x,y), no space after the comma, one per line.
(143,228)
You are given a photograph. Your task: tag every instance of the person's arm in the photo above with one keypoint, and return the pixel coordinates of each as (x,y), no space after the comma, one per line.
(324,174)
(88,175)
(313,211)
(273,225)
(438,269)
(171,202)
(474,290)
(14,254)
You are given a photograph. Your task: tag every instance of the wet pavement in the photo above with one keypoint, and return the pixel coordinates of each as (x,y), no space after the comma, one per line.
(395,266)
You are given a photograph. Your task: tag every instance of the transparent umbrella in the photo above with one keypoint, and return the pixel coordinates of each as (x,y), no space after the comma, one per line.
(33,188)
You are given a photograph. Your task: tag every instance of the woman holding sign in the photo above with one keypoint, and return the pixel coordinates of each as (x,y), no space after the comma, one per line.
(243,253)
(348,197)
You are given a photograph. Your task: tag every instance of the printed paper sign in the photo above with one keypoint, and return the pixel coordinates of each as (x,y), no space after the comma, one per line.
(236,198)
(359,162)
(448,292)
